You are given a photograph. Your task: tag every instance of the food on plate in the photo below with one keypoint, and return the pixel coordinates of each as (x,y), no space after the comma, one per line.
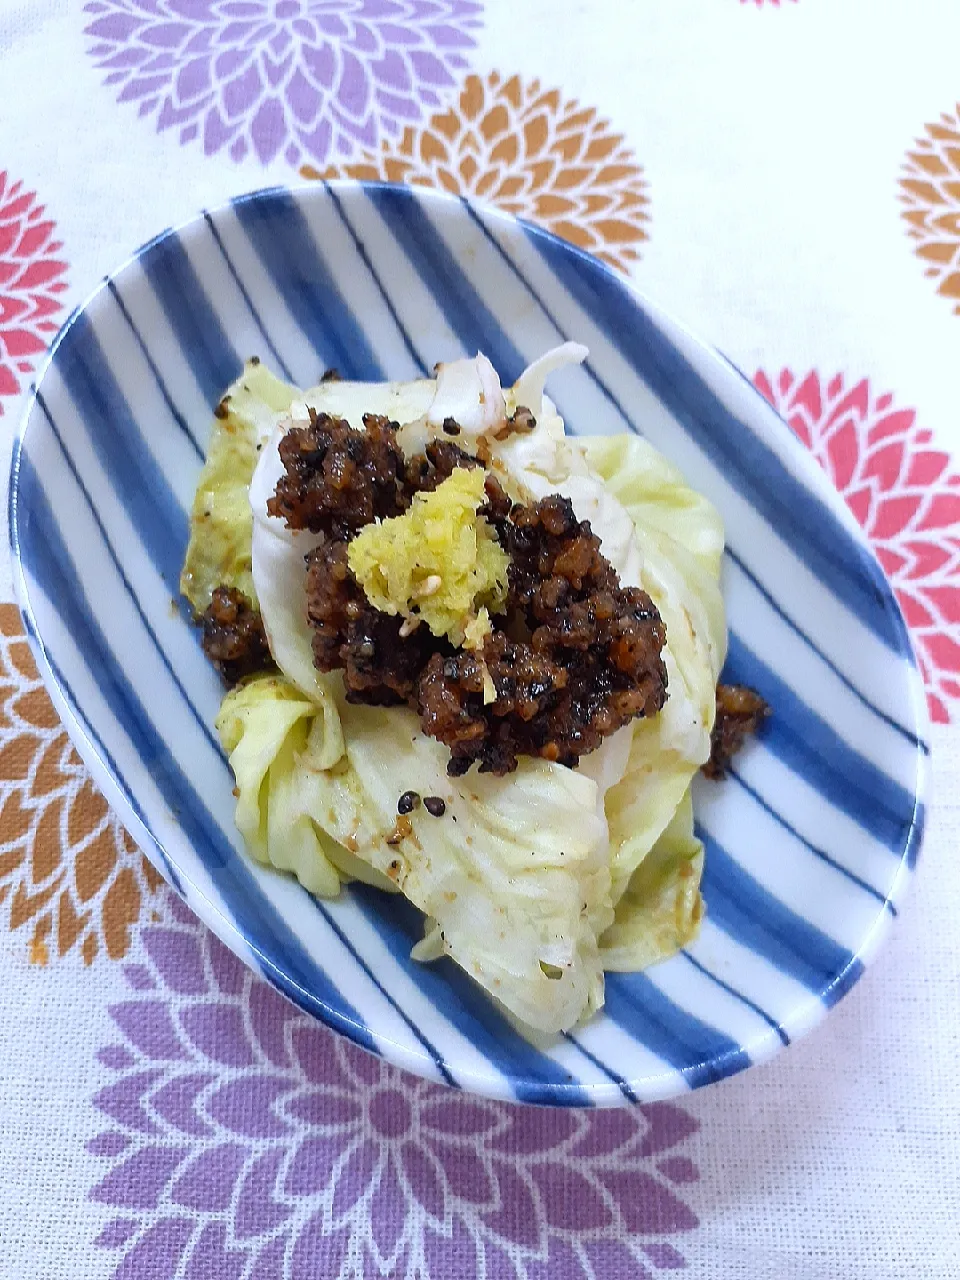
(233,635)
(740,712)
(471,659)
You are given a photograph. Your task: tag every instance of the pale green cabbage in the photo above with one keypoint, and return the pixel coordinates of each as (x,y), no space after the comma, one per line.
(536,882)
(655,858)
(513,874)
(276,738)
(661,908)
(681,537)
(221,521)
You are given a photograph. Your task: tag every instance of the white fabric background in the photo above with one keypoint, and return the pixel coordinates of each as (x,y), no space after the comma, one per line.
(772,140)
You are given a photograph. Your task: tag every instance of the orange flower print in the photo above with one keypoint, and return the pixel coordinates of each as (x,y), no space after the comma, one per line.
(930,194)
(70,876)
(533,153)
(906,495)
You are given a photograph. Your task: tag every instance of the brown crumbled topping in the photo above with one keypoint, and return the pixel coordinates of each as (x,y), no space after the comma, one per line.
(427,470)
(574,657)
(521,422)
(497,507)
(592,662)
(336,480)
(233,635)
(380,666)
(451,426)
(739,713)
(452,707)
(331,375)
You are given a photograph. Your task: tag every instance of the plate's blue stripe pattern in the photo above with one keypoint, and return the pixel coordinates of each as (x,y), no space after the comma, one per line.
(279,233)
(701,1053)
(910,736)
(111,551)
(747,911)
(725,986)
(140,484)
(87,437)
(757,470)
(175,413)
(202,333)
(364,257)
(800,736)
(817,852)
(612,402)
(53,569)
(471,319)
(275,355)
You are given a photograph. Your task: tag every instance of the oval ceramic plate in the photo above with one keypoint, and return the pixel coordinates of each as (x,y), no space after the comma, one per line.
(808,845)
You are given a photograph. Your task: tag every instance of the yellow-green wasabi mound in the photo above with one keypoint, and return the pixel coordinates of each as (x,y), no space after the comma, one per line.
(439,563)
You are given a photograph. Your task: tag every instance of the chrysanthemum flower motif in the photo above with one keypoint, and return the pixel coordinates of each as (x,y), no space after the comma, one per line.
(31,282)
(532,152)
(905,494)
(245,1139)
(930,193)
(307,79)
(69,874)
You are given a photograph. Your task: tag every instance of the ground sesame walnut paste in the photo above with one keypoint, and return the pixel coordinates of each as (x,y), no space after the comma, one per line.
(573,657)
(233,635)
(740,711)
(336,480)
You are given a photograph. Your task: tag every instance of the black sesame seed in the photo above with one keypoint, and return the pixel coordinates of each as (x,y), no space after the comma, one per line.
(408,802)
(434,806)
(451,427)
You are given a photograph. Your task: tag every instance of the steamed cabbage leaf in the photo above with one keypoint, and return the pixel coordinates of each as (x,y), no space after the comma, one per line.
(660,910)
(268,729)
(681,538)
(514,873)
(221,521)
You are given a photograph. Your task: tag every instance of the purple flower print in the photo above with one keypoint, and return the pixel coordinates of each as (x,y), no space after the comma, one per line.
(243,1140)
(311,79)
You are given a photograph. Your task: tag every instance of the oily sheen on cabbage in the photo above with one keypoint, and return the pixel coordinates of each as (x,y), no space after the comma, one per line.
(536,882)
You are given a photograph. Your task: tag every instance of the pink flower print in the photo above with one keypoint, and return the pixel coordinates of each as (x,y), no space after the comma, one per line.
(244,1139)
(906,495)
(31,282)
(309,79)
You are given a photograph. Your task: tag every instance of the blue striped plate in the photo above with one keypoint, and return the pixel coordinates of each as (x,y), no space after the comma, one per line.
(809,845)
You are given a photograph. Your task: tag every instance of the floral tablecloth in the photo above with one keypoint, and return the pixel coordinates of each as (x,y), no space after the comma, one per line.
(785,177)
